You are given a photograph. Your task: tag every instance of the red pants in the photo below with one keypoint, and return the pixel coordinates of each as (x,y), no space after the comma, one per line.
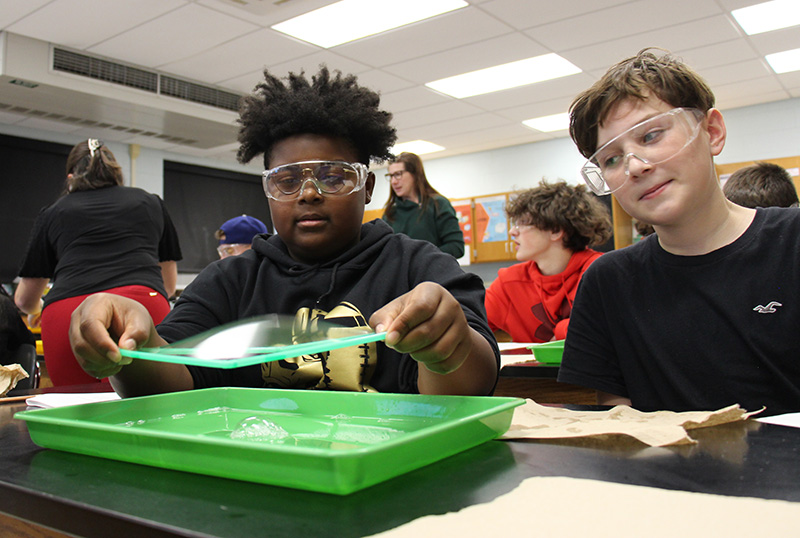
(62,367)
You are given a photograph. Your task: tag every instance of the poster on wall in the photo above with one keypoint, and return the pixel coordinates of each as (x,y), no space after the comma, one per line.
(464,214)
(490,219)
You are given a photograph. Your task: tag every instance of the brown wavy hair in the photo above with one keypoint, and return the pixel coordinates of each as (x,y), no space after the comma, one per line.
(639,77)
(556,207)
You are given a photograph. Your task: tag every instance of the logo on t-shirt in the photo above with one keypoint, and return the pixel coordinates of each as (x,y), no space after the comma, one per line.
(769,309)
(349,368)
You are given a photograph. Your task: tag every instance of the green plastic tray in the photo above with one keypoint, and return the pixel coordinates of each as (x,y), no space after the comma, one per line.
(253,355)
(332,442)
(548,352)
(257,340)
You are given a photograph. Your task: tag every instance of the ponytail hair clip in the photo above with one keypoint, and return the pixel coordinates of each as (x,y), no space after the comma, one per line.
(94,145)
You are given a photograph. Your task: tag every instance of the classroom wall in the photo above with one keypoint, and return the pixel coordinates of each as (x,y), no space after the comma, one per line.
(757,132)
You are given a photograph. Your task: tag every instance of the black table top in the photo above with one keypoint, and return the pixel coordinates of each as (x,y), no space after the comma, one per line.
(91,496)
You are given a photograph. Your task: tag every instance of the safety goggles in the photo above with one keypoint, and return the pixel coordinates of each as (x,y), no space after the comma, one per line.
(231,249)
(652,142)
(337,178)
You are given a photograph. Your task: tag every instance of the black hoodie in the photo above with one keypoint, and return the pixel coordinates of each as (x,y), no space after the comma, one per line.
(266,280)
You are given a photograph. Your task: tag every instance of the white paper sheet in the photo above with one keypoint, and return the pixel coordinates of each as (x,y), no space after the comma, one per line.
(514,353)
(61,399)
(790,419)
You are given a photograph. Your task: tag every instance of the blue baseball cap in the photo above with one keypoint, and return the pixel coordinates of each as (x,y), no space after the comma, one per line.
(240,230)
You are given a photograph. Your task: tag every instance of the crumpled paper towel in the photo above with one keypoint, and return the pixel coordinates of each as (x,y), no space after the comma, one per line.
(9,377)
(658,428)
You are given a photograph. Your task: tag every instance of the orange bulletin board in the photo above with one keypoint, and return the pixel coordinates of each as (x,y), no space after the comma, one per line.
(463,210)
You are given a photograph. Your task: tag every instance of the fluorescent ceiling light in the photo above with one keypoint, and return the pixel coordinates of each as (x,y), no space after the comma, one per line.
(505,76)
(349,20)
(420,147)
(768,16)
(784,62)
(548,124)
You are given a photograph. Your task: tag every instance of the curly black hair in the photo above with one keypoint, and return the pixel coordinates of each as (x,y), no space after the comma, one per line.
(330,104)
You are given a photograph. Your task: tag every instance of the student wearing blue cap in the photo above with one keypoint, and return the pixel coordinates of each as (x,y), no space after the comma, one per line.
(236,235)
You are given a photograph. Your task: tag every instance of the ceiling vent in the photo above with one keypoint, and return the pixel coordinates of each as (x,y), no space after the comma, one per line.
(198,93)
(88,66)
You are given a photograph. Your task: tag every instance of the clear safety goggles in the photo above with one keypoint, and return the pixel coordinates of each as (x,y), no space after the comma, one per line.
(652,141)
(338,178)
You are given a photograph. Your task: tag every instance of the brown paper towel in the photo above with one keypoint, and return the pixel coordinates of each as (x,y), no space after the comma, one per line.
(551,507)
(659,428)
(9,377)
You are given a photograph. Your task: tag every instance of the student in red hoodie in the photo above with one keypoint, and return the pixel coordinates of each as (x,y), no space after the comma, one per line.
(552,226)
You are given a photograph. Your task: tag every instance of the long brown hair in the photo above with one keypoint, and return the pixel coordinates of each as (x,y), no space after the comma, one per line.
(413,165)
(91,165)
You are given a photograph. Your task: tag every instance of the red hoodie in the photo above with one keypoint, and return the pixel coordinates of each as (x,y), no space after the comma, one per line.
(532,307)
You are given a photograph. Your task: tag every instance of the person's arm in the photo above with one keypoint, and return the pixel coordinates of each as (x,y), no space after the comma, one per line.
(169,272)
(104,323)
(451,237)
(429,324)
(605,398)
(28,298)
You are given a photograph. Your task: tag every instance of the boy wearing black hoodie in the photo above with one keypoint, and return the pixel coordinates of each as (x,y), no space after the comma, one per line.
(317,138)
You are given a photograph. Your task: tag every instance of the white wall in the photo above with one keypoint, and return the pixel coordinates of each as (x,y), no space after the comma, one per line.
(764,131)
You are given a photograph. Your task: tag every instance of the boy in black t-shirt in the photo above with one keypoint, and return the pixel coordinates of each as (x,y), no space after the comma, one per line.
(703,314)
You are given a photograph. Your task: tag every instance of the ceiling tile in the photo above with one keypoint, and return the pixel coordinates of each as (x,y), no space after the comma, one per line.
(729,95)
(488,53)
(738,101)
(777,40)
(736,72)
(547,90)
(433,131)
(680,37)
(536,110)
(311,63)
(13,10)
(445,32)
(618,22)
(264,13)
(381,82)
(522,15)
(96,22)
(178,34)
(702,58)
(416,97)
(434,114)
(240,56)
(790,80)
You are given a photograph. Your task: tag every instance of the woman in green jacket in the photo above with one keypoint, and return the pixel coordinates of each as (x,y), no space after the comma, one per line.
(416,209)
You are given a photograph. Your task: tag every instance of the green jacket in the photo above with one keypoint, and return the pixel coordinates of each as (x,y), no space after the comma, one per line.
(438,224)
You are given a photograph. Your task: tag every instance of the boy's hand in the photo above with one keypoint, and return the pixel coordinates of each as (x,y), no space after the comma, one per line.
(428,323)
(35,320)
(101,320)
